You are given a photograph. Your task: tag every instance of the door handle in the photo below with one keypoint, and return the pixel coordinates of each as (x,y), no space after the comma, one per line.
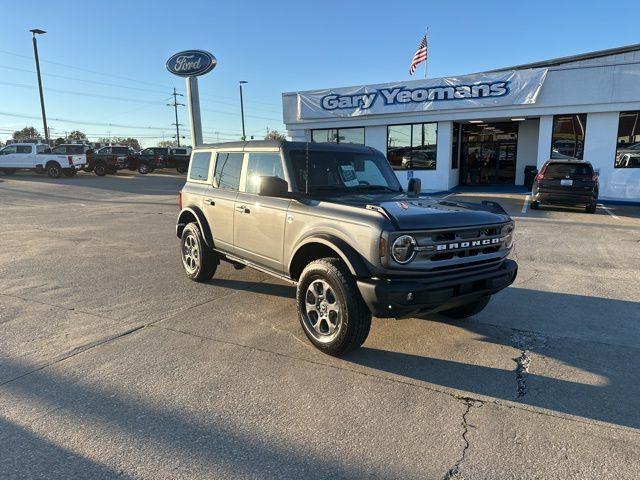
(243,209)
(210,201)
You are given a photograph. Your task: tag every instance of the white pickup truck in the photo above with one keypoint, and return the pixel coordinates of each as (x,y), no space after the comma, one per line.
(38,157)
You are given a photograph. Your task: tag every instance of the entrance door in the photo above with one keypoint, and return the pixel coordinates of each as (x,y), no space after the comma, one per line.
(488,155)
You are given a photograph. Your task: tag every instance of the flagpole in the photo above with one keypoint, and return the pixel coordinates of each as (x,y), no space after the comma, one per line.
(426,60)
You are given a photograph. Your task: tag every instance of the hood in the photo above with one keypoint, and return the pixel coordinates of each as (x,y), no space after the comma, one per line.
(410,213)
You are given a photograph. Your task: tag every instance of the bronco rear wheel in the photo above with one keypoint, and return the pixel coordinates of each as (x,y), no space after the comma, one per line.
(331,310)
(199,261)
(468,309)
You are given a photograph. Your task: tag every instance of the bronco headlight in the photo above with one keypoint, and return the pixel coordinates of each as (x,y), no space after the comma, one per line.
(404,249)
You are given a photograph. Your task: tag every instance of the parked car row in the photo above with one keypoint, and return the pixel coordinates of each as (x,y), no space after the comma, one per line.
(68,159)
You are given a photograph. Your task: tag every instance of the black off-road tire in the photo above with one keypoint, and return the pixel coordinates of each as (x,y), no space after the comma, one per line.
(355,320)
(144,168)
(54,170)
(468,309)
(535,205)
(100,169)
(181,170)
(201,267)
(591,208)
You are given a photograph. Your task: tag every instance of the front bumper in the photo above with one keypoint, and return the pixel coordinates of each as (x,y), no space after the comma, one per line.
(388,297)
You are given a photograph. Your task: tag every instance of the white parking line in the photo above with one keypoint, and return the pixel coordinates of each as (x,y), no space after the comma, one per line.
(609,211)
(526,204)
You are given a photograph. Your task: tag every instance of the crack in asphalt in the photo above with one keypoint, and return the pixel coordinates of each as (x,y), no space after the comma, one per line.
(523,362)
(524,341)
(454,472)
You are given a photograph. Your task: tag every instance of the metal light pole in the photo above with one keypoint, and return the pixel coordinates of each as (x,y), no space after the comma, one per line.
(37,31)
(244,136)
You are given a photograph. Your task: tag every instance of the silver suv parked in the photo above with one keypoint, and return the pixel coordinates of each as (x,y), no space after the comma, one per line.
(334,220)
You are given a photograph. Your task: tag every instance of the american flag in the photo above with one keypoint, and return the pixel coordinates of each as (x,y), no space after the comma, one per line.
(420,55)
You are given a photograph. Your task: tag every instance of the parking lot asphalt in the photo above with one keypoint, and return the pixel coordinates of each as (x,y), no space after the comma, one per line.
(114,364)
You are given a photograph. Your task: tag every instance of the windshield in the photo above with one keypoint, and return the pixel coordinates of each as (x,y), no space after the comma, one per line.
(343,171)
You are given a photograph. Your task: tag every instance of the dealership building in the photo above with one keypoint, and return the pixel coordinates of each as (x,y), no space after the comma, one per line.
(486,128)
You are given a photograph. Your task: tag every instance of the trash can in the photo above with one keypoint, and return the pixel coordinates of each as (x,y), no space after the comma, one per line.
(530,172)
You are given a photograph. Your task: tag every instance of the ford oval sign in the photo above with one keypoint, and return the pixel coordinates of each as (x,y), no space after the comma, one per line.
(191,63)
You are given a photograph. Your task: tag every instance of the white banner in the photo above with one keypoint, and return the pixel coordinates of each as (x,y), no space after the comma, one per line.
(514,87)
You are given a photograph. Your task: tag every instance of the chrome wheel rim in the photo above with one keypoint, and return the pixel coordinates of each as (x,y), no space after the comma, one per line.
(323,316)
(190,253)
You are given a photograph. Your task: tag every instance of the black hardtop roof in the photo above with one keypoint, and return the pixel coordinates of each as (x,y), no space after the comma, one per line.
(287,145)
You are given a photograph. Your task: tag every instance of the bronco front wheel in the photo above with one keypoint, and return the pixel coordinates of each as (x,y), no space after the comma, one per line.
(330,308)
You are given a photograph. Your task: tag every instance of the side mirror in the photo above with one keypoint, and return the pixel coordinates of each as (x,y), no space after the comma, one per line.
(414,187)
(272,187)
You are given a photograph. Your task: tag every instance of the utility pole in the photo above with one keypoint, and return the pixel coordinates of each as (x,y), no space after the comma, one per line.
(37,31)
(244,136)
(175,106)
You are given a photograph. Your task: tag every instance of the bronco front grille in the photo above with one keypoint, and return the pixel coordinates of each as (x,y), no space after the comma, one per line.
(450,244)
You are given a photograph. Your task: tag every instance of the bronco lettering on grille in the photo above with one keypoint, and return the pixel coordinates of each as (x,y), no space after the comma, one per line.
(470,244)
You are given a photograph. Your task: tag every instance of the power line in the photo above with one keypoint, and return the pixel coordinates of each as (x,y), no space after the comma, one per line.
(99,124)
(95,72)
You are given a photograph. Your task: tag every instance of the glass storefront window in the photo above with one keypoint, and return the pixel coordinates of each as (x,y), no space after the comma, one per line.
(567,140)
(353,135)
(628,145)
(325,135)
(412,146)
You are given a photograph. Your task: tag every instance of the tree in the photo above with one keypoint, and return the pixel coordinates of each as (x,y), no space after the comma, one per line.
(128,141)
(27,133)
(275,135)
(77,136)
(167,143)
(59,141)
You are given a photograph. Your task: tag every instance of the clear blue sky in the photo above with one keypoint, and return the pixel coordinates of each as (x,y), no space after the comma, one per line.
(111,54)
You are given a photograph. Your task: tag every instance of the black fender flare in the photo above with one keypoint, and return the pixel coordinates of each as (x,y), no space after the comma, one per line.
(352,259)
(201,220)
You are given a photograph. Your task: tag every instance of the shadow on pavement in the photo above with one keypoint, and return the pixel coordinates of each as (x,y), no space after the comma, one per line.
(615,398)
(585,334)
(210,442)
(275,290)
(26,455)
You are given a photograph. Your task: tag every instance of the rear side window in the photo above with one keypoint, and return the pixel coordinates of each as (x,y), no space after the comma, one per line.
(61,150)
(200,166)
(262,165)
(572,170)
(227,172)
(75,149)
(27,149)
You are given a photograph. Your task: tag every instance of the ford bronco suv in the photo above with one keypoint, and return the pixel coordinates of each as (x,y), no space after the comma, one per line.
(334,221)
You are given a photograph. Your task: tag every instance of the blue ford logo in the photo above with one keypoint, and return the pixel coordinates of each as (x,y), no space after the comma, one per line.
(191,63)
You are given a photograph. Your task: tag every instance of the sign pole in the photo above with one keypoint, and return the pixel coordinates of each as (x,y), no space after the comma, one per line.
(195,122)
